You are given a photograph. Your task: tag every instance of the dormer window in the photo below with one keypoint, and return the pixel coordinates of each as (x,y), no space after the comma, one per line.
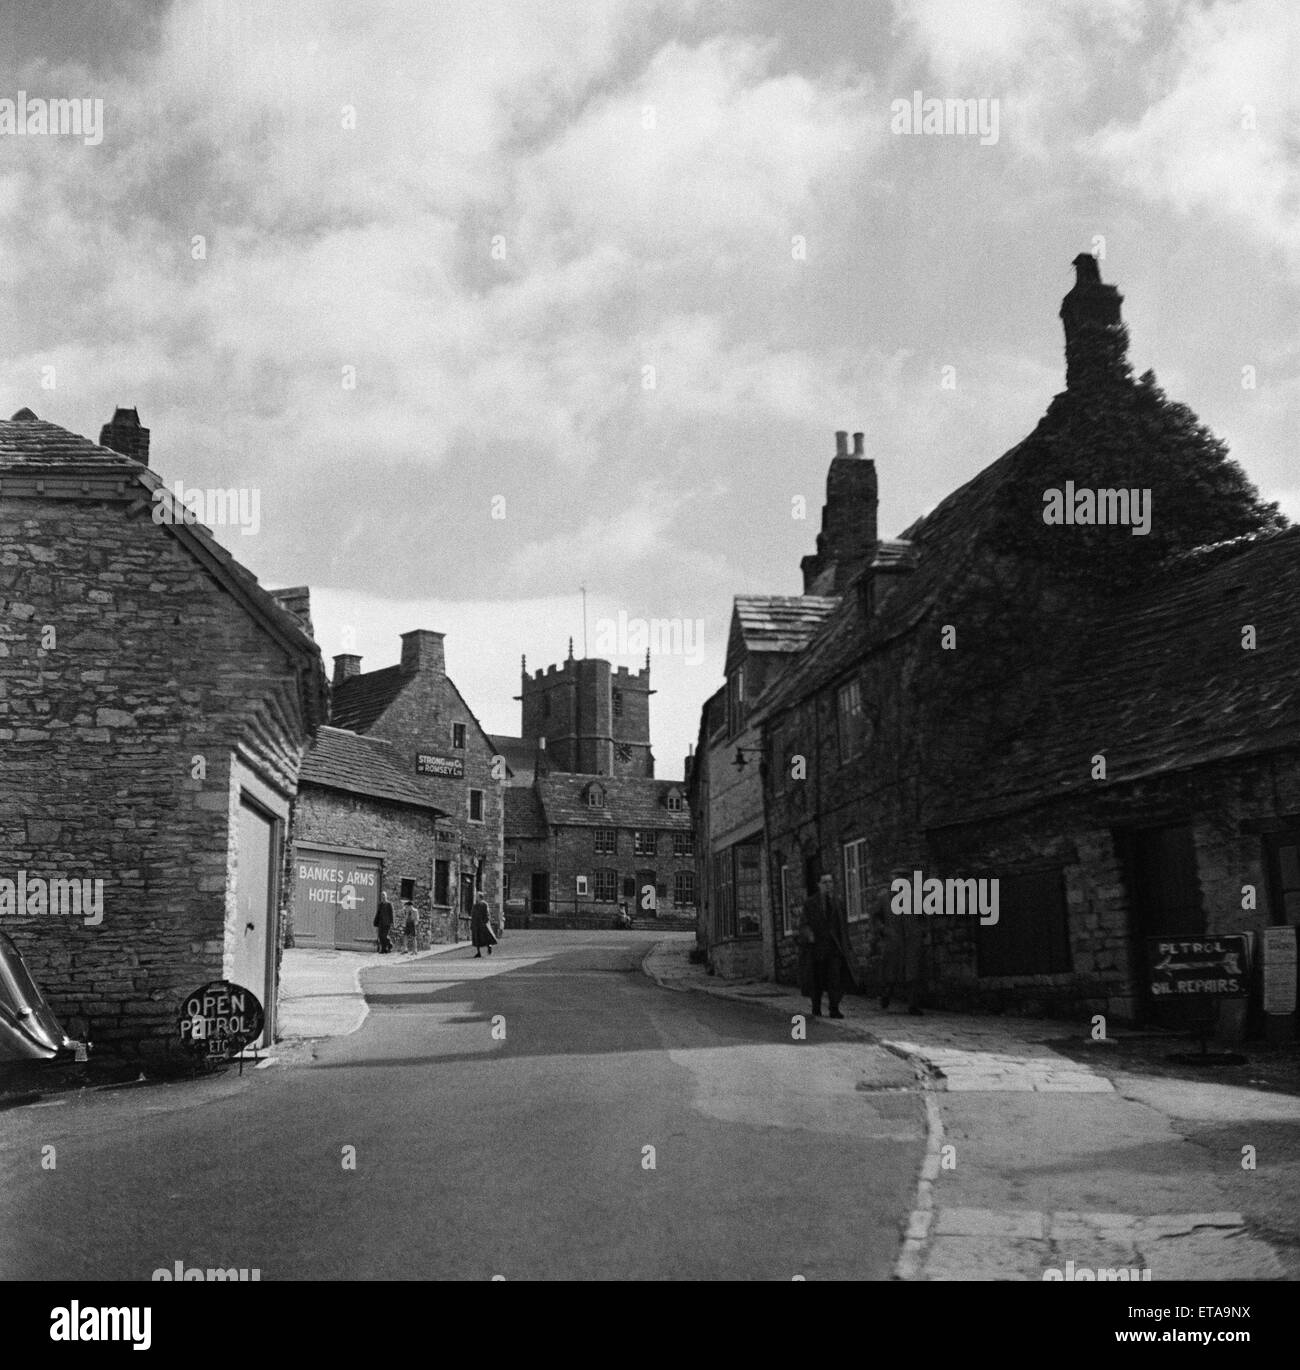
(596,796)
(674,800)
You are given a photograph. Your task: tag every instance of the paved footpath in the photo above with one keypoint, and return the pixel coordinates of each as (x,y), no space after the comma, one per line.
(1036,1163)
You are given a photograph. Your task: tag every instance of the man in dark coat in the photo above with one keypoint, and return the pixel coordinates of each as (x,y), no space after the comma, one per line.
(480,928)
(825,957)
(384,921)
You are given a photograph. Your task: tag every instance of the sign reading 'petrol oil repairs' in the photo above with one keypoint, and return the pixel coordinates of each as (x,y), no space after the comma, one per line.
(1207,965)
(220,1019)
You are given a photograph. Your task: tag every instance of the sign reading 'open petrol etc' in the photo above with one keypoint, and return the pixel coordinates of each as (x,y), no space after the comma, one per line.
(220,1019)
(1185,966)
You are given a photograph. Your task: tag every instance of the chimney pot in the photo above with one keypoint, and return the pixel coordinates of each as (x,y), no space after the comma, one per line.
(857,444)
(842,444)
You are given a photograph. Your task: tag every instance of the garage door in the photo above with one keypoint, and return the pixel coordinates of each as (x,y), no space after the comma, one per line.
(336,897)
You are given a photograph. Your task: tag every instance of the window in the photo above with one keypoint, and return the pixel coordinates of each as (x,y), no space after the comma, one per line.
(606,888)
(476,806)
(1283,853)
(787,913)
(505,887)
(580,885)
(852,720)
(1031,936)
(644,842)
(749,888)
(606,841)
(442,882)
(407,888)
(724,901)
(618,703)
(595,797)
(855,880)
(736,700)
(674,801)
(683,888)
(458,736)
(683,844)
(546,706)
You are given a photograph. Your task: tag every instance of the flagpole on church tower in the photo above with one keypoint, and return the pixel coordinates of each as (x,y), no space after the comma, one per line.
(583,588)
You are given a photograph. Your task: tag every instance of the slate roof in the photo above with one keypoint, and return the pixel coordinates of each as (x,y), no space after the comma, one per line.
(31,448)
(341,760)
(781,623)
(359,701)
(524,818)
(520,756)
(1162,683)
(1156,678)
(630,802)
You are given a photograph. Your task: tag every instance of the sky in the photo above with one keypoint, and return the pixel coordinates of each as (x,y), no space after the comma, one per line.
(492,301)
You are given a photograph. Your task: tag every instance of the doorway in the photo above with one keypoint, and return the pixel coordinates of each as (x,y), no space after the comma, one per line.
(1164,901)
(540,892)
(256,885)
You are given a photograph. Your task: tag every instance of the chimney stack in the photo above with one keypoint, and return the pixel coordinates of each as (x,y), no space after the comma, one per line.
(123,434)
(345,667)
(1096,341)
(847,540)
(422,651)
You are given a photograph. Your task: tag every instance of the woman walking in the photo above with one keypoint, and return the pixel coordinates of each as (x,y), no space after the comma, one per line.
(480,929)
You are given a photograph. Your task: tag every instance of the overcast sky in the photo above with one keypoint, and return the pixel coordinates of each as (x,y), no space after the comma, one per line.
(539,201)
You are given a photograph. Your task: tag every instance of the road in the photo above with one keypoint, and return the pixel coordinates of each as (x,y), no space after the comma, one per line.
(500,1113)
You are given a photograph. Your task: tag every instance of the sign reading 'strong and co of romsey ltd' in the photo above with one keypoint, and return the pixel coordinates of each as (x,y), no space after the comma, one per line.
(1205,965)
(427,763)
(220,1019)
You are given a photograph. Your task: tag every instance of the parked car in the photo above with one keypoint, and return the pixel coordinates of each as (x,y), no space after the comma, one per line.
(29,1031)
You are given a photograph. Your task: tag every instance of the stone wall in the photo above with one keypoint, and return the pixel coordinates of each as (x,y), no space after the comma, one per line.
(403,837)
(117,737)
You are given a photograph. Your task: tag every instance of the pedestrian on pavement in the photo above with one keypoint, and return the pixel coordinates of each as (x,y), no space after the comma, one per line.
(480,928)
(384,921)
(899,938)
(825,958)
(409,926)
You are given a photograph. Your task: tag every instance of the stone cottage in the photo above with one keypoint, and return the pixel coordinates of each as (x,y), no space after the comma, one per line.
(155,703)
(1076,680)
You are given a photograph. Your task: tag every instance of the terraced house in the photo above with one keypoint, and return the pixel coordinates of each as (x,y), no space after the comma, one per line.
(1101,719)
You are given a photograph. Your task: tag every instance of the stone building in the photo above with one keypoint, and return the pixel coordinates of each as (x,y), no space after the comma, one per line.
(441,747)
(744,902)
(582,847)
(588,828)
(1098,715)
(362,826)
(155,703)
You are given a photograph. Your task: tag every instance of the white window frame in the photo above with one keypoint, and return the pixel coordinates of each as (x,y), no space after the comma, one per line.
(855,879)
(581,886)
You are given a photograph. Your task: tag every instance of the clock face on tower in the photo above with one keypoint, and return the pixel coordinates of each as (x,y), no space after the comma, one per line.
(623,751)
